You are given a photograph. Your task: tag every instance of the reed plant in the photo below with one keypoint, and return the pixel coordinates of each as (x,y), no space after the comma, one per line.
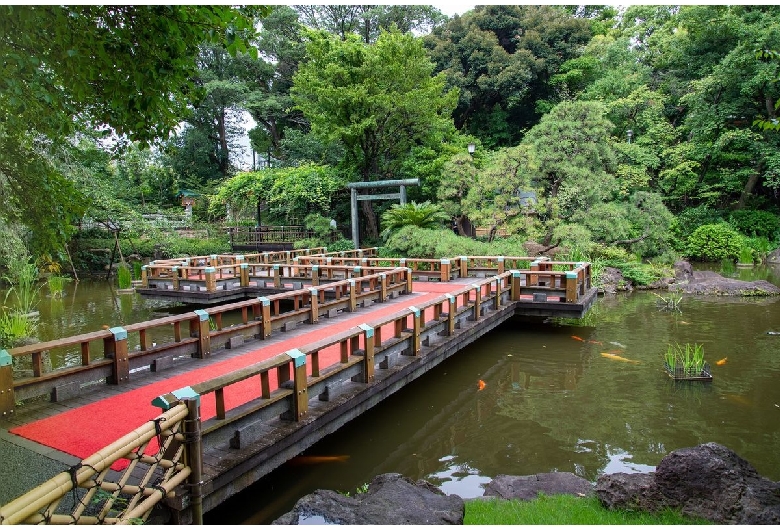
(57,285)
(746,256)
(124,276)
(15,326)
(23,280)
(688,358)
(137,270)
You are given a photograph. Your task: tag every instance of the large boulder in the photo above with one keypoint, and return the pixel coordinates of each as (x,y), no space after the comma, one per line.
(390,499)
(712,283)
(530,486)
(708,481)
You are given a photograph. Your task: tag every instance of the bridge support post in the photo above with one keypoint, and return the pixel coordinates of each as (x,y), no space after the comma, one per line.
(7,399)
(175,278)
(204,334)
(300,386)
(144,277)
(265,328)
(383,287)
(497,303)
(115,347)
(368,357)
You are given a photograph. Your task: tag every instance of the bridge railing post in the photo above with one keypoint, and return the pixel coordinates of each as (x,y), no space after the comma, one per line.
(497,303)
(352,296)
(500,264)
(193,456)
(452,310)
(446,270)
(515,289)
(115,348)
(464,266)
(571,286)
(7,399)
(383,287)
(314,306)
(144,277)
(416,327)
(300,400)
(277,276)
(203,334)
(368,357)
(211,279)
(533,279)
(409,281)
(175,278)
(477,300)
(265,328)
(244,275)
(315,275)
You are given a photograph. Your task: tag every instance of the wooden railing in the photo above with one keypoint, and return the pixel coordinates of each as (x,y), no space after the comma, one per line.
(113,355)
(257,235)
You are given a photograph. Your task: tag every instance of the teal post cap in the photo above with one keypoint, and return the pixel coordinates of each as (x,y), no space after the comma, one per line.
(571,275)
(209,269)
(445,261)
(202,315)
(299,358)
(515,273)
(245,265)
(5,358)
(368,329)
(264,300)
(415,310)
(313,291)
(450,297)
(119,332)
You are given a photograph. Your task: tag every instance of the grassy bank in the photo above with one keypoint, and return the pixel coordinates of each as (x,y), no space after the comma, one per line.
(564,509)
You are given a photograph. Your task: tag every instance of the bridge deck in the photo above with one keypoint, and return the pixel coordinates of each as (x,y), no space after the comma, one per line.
(221,464)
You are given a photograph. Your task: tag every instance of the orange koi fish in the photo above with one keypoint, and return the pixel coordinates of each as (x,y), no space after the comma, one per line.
(722,361)
(618,358)
(575,337)
(482,385)
(319,459)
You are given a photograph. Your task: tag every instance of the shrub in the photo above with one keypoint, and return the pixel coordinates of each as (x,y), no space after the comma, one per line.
(688,221)
(124,276)
(756,223)
(714,242)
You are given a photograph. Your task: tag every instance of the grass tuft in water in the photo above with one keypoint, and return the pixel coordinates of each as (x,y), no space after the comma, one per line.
(564,509)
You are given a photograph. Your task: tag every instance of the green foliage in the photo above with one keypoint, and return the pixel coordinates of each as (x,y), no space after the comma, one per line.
(56,285)
(565,510)
(688,358)
(689,220)
(15,326)
(756,223)
(714,242)
(123,276)
(424,215)
(22,277)
(746,255)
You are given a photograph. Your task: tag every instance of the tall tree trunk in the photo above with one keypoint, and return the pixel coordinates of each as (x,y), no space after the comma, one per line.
(223,144)
(372,229)
(748,189)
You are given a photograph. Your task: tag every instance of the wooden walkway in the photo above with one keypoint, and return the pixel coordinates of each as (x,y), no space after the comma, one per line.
(384,333)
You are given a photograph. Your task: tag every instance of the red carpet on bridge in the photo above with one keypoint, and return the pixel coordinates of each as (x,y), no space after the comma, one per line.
(85,430)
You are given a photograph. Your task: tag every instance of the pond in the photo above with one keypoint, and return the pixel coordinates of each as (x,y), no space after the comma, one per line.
(550,400)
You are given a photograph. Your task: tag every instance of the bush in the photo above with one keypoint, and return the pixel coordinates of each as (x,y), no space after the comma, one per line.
(688,221)
(714,242)
(756,223)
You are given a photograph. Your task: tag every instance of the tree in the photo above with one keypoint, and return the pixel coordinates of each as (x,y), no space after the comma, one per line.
(423,215)
(127,69)
(377,101)
(368,21)
(502,59)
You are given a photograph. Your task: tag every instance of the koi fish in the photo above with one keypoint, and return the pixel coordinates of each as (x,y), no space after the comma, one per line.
(482,385)
(618,345)
(722,361)
(618,358)
(596,342)
(575,337)
(319,459)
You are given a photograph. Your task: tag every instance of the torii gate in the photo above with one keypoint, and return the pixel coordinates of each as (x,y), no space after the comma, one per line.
(354,186)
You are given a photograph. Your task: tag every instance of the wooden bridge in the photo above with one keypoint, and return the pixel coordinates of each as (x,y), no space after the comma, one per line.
(341,333)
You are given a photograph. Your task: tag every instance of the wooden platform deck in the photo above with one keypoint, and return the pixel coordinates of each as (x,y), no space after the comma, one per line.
(389,327)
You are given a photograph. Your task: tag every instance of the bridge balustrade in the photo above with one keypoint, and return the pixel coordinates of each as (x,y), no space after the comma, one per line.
(113,355)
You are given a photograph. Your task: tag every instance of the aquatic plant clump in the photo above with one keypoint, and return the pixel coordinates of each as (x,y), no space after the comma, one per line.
(124,276)
(686,362)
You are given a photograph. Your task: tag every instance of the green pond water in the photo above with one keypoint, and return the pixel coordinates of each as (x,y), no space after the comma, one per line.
(550,402)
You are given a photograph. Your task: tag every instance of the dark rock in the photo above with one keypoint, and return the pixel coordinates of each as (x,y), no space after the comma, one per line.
(629,491)
(530,486)
(611,281)
(390,499)
(774,256)
(708,481)
(683,271)
(712,283)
